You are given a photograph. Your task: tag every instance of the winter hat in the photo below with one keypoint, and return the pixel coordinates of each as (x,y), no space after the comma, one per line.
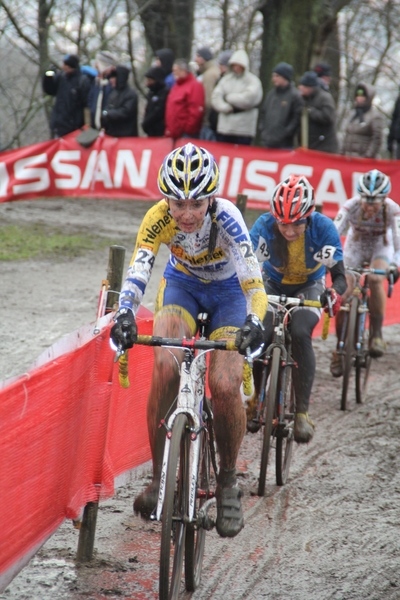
(71,60)
(156,73)
(104,60)
(205,53)
(309,79)
(284,70)
(224,56)
(323,70)
(360,91)
(166,58)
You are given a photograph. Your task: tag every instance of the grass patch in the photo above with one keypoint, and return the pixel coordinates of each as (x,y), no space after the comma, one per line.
(39,241)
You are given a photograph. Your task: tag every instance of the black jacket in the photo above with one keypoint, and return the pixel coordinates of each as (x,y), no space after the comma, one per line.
(120,118)
(71,91)
(394,131)
(153,122)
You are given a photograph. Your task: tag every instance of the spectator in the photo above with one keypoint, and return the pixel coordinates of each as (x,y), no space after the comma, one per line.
(154,116)
(320,110)
(236,98)
(71,90)
(185,103)
(105,62)
(364,130)
(119,118)
(223,59)
(394,131)
(324,73)
(281,111)
(209,74)
(165,59)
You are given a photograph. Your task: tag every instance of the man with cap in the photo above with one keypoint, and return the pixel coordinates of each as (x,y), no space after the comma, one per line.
(319,109)
(70,88)
(105,62)
(208,74)
(281,111)
(324,74)
(154,116)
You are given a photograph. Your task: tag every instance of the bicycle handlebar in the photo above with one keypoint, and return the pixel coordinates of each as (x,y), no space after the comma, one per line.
(369,271)
(191,343)
(286,301)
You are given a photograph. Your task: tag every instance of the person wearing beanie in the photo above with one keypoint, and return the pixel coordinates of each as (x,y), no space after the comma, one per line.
(154,116)
(70,88)
(319,110)
(105,62)
(223,61)
(280,113)
(324,74)
(165,59)
(236,98)
(208,75)
(364,128)
(119,118)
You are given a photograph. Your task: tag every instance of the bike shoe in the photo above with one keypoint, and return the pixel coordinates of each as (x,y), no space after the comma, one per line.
(377,348)
(336,365)
(229,511)
(303,428)
(251,410)
(145,504)
(253,426)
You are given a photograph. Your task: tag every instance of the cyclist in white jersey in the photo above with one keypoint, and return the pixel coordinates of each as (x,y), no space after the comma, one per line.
(372,223)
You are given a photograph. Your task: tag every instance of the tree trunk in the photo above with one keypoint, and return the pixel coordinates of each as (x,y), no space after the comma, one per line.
(169,24)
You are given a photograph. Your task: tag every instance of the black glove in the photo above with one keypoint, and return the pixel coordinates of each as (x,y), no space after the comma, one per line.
(394,270)
(124,331)
(250,335)
(336,300)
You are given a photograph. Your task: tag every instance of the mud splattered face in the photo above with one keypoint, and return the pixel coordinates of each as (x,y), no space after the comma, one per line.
(292,231)
(189,214)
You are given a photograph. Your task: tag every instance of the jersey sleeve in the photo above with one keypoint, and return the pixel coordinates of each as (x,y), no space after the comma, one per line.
(394,223)
(157,227)
(342,220)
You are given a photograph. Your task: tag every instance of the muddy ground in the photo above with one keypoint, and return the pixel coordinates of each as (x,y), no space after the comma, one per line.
(332,532)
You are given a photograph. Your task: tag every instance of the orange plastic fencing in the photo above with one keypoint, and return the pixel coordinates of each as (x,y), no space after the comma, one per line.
(67,430)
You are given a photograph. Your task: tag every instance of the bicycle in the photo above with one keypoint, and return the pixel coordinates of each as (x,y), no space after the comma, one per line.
(354,334)
(276,403)
(186,493)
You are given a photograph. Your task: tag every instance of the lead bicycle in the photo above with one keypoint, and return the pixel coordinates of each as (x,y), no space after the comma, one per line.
(187,490)
(276,406)
(354,334)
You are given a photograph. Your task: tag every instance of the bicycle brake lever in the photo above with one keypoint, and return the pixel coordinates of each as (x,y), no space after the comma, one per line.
(120,352)
(330,306)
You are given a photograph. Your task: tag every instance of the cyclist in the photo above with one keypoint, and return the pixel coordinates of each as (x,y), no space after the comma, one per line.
(212,268)
(373,224)
(296,245)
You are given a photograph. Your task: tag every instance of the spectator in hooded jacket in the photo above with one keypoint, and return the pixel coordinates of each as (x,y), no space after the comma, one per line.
(324,74)
(154,116)
(320,109)
(281,111)
(119,118)
(165,59)
(185,103)
(71,89)
(364,130)
(105,62)
(394,132)
(208,74)
(236,98)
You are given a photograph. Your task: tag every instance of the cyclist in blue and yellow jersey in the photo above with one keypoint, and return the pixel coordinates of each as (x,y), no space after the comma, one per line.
(212,268)
(372,223)
(296,245)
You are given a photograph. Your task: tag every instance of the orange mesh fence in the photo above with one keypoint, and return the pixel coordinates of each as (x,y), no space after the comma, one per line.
(67,430)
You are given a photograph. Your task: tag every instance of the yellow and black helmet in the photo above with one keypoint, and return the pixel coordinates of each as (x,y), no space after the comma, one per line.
(188,173)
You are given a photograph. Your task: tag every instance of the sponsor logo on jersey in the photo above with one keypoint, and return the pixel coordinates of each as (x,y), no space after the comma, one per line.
(232,227)
(156,229)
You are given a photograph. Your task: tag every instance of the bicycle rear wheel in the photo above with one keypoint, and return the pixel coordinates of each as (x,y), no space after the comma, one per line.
(349,350)
(284,438)
(195,533)
(173,529)
(270,402)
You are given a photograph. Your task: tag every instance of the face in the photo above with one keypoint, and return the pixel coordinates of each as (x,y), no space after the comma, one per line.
(361,100)
(148,81)
(67,69)
(293,231)
(178,72)
(238,69)
(113,81)
(278,80)
(370,210)
(189,214)
(305,90)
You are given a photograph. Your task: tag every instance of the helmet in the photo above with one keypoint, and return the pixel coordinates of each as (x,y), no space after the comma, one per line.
(188,173)
(292,199)
(374,186)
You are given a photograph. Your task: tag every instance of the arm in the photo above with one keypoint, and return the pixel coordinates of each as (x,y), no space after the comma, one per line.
(295,116)
(195,108)
(394,223)
(125,111)
(324,113)
(342,221)
(248,98)
(50,83)
(218,101)
(376,137)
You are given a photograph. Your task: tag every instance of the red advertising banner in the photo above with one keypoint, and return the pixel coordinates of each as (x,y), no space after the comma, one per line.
(128,168)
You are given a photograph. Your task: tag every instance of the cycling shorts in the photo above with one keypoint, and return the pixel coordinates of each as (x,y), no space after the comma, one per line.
(310,291)
(187,296)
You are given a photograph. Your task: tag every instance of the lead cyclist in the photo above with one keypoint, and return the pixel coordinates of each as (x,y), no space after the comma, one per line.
(372,223)
(212,268)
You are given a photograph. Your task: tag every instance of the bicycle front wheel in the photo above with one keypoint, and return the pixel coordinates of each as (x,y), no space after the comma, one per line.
(173,528)
(285,434)
(195,533)
(349,350)
(270,402)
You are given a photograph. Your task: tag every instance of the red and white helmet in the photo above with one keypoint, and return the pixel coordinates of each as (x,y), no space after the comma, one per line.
(292,200)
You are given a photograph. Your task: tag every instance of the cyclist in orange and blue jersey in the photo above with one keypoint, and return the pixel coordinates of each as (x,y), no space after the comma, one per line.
(296,246)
